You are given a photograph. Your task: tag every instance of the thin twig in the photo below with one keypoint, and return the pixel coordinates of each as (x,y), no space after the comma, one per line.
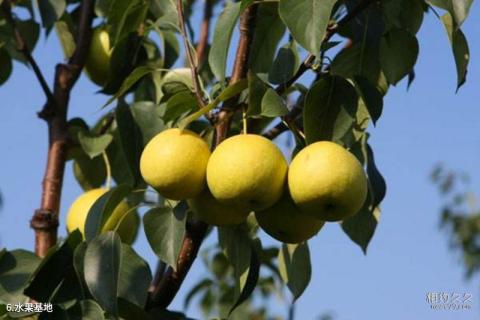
(191,60)
(25,50)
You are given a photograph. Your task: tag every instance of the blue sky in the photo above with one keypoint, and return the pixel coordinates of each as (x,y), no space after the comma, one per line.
(408,256)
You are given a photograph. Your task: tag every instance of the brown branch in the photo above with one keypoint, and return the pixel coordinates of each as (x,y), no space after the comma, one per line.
(191,60)
(240,70)
(163,294)
(45,219)
(24,49)
(204,31)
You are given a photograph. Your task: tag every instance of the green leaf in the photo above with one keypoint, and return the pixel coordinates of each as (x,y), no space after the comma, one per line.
(269,30)
(178,106)
(378,185)
(133,78)
(370,95)
(102,7)
(229,92)
(458,9)
(460,48)
(256,91)
(51,11)
(323,104)
(147,118)
(310,29)
(50,275)
(15,269)
(285,65)
(128,310)
(134,277)
(295,267)
(101,268)
(361,226)
(102,209)
(90,173)
(403,14)
(130,142)
(273,105)
(6,66)
(240,252)
(125,17)
(218,55)
(90,310)
(94,145)
(66,38)
(165,229)
(398,54)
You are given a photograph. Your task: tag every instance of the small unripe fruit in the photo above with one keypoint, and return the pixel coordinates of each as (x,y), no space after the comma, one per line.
(97,65)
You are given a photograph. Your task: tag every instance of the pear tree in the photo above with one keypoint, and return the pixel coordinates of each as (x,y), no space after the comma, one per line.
(200,98)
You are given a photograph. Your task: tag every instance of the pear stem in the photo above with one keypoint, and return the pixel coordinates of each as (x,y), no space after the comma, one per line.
(109,170)
(244,119)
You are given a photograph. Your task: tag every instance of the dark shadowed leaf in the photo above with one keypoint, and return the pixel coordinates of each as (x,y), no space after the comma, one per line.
(131,142)
(101,269)
(256,91)
(240,252)
(285,65)
(52,272)
(309,30)
(403,14)
(361,227)
(218,55)
(295,267)
(51,11)
(125,17)
(165,229)
(323,105)
(245,4)
(398,54)
(377,182)
(102,209)
(460,49)
(370,95)
(269,30)
(134,277)
(16,268)
(90,173)
(90,310)
(5,66)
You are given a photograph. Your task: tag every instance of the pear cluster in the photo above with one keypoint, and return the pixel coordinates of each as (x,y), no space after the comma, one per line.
(248,173)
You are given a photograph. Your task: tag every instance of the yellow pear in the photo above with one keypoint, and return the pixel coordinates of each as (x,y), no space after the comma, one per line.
(211,211)
(327,182)
(247,171)
(77,216)
(285,222)
(174,163)
(97,65)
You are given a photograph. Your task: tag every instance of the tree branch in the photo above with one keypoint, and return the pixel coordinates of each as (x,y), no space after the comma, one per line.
(163,294)
(204,31)
(45,219)
(191,60)
(23,48)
